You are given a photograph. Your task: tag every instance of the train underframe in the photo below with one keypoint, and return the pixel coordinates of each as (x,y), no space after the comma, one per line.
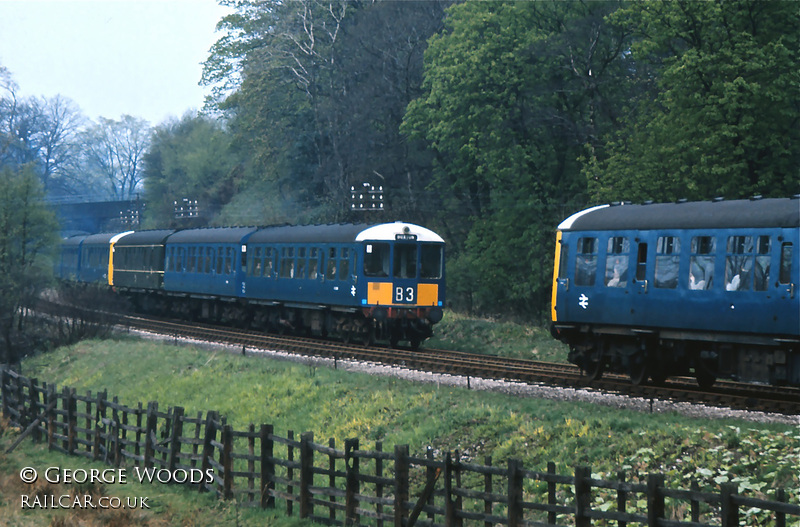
(653,356)
(365,326)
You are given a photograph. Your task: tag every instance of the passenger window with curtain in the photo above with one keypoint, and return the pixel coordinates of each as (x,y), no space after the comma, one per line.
(701,263)
(668,255)
(586,262)
(739,263)
(617,257)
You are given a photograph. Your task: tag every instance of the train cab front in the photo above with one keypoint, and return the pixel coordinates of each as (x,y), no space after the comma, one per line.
(402,285)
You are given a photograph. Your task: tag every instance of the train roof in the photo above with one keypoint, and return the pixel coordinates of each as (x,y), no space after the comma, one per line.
(104,238)
(343,233)
(211,235)
(73,240)
(152,237)
(736,214)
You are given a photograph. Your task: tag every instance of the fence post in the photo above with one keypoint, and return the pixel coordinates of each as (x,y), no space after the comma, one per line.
(4,390)
(290,472)
(20,402)
(352,489)
(622,498)
(175,438)
(583,496)
(514,493)
(730,511)
(51,418)
(226,460)
(33,389)
(70,405)
(267,468)
(449,502)
(655,499)
(780,517)
(149,433)
(551,492)
(487,489)
(379,486)
(401,470)
(306,474)
(208,448)
(99,425)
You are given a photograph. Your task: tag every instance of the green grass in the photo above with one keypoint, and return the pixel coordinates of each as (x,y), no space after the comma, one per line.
(344,405)
(503,338)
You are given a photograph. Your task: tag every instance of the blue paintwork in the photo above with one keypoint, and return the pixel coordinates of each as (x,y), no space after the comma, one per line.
(641,305)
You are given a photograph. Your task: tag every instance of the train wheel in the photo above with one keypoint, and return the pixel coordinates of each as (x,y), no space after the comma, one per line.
(594,370)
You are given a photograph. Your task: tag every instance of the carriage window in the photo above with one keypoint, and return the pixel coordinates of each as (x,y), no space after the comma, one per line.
(405,260)
(586,261)
(431,265)
(739,263)
(255,263)
(330,273)
(785,274)
(617,261)
(192,259)
(668,254)
(701,262)
(268,265)
(376,259)
(209,259)
(763,259)
(287,262)
(344,263)
(313,263)
(301,263)
(228,260)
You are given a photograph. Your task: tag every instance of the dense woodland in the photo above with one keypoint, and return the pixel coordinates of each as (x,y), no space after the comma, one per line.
(488,122)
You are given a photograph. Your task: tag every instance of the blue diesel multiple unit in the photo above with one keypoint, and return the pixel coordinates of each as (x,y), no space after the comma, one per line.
(362,282)
(703,288)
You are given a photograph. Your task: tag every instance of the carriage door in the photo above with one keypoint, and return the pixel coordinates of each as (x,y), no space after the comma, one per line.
(787,306)
(641,284)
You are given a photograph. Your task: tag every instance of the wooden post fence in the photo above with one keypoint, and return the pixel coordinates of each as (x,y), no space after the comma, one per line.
(351,486)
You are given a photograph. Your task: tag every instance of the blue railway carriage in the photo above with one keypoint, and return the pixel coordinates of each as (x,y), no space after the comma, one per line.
(207,266)
(95,257)
(360,281)
(138,260)
(702,288)
(68,265)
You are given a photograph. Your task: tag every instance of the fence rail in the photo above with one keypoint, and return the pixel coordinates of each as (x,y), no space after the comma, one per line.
(349,485)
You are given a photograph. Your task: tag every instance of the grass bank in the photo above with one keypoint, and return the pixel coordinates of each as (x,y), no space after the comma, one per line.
(495,337)
(344,405)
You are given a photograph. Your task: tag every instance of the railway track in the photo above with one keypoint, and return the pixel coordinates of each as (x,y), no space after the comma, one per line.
(725,394)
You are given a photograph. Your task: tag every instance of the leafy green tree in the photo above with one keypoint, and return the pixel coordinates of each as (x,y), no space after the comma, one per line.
(190,158)
(315,92)
(27,238)
(514,90)
(719,113)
